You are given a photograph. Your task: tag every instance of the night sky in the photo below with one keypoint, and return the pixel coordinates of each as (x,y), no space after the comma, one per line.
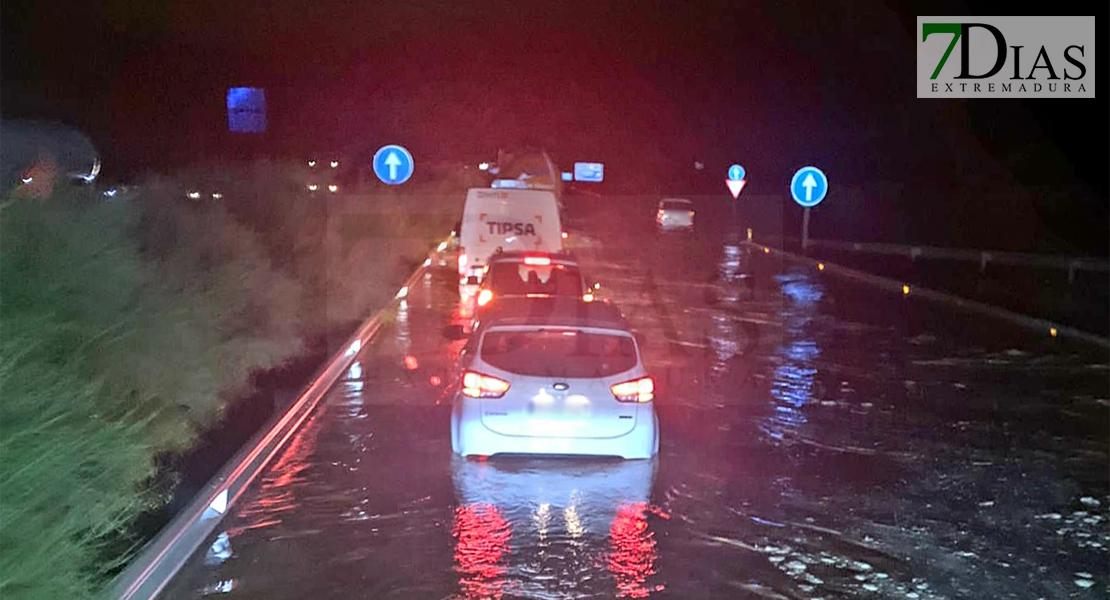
(642,85)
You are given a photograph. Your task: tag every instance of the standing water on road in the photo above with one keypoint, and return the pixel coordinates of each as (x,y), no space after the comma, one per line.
(814,445)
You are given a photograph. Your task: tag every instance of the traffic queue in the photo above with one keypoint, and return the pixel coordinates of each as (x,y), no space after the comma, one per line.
(548,367)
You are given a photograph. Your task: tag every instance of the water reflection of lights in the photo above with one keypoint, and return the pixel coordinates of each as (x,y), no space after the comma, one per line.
(277,493)
(574,522)
(219,551)
(404,332)
(577,528)
(724,341)
(730,263)
(225,586)
(794,382)
(632,552)
(482,542)
(725,338)
(543,520)
(354,386)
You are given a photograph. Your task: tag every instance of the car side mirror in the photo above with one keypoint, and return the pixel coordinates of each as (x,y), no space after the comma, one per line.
(454,332)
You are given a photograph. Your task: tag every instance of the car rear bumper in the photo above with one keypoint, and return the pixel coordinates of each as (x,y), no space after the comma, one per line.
(470,437)
(669,225)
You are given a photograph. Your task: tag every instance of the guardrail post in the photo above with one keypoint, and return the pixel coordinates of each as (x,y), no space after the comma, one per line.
(914,253)
(983,258)
(1071,272)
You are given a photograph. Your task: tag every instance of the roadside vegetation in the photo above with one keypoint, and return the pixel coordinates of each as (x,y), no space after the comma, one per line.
(129,323)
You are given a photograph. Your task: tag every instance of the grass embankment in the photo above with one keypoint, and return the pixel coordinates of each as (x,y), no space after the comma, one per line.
(128,324)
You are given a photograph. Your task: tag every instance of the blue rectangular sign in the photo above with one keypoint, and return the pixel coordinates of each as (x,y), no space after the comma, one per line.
(246,110)
(593,172)
(568,176)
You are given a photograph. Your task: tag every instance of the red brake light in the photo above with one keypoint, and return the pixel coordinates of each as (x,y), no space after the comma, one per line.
(484,297)
(637,390)
(691,213)
(477,385)
(564,235)
(542,261)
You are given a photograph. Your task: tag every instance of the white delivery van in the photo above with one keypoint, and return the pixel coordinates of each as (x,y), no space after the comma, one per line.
(510,219)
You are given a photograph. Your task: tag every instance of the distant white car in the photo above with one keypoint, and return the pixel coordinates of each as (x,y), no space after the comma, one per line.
(554,376)
(675,213)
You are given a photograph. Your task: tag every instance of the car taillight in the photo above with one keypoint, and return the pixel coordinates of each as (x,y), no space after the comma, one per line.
(462,261)
(564,235)
(477,385)
(484,297)
(637,390)
(691,214)
(537,261)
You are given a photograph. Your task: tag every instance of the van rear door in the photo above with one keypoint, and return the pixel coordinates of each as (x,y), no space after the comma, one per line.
(526,220)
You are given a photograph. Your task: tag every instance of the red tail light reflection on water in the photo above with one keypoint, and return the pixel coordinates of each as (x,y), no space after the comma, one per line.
(281,487)
(481,548)
(632,553)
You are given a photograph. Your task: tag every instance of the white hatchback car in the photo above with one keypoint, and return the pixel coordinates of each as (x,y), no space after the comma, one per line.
(674,213)
(554,376)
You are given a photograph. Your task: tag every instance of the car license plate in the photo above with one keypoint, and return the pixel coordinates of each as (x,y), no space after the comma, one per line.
(559,408)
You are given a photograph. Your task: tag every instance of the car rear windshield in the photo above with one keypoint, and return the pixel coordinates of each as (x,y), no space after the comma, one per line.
(673,205)
(558,353)
(517,279)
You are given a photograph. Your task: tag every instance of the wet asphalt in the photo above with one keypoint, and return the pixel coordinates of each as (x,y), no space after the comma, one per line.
(819,440)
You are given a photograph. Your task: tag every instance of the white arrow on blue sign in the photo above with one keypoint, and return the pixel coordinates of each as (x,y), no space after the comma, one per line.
(393,164)
(809,186)
(736,173)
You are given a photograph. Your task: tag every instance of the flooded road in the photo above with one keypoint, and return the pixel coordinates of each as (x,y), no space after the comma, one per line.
(819,440)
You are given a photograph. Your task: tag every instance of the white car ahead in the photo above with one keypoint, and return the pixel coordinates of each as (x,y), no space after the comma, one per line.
(675,213)
(557,377)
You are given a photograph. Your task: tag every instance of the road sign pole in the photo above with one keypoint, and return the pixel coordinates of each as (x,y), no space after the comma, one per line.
(805,230)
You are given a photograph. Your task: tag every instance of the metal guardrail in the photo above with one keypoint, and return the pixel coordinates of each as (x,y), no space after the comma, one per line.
(1071,263)
(1047,327)
(160,560)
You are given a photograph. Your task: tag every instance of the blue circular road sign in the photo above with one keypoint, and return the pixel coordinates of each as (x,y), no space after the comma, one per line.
(393,164)
(809,186)
(736,173)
